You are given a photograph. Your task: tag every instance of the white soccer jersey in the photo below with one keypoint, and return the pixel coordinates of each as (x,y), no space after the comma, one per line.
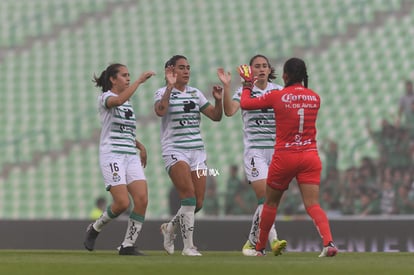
(180,126)
(259,129)
(118,127)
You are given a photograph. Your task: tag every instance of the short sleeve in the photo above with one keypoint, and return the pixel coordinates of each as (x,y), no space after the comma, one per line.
(158,94)
(237,94)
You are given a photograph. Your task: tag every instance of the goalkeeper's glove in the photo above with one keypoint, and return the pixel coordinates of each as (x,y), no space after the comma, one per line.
(246,74)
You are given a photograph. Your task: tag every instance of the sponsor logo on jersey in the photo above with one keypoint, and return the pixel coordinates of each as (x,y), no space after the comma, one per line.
(189,105)
(298,143)
(289,98)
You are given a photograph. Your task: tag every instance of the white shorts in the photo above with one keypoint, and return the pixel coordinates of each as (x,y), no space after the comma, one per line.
(256,163)
(196,159)
(120,169)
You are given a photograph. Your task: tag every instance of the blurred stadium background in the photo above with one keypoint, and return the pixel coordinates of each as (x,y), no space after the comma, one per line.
(358,52)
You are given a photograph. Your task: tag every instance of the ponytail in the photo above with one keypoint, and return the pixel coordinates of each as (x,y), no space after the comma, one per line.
(104,80)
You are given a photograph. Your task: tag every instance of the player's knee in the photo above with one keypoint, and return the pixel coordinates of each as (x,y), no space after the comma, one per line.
(142,200)
(121,206)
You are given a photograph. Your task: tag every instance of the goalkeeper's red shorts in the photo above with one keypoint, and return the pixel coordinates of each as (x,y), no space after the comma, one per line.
(305,166)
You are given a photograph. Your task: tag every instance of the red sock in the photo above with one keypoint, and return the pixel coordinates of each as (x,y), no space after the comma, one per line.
(267,218)
(321,222)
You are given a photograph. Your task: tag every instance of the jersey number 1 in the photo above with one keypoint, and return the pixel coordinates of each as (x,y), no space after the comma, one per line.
(301,113)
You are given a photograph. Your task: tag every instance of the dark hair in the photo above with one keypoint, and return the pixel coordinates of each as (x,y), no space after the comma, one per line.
(295,68)
(100,201)
(103,80)
(272,74)
(173,60)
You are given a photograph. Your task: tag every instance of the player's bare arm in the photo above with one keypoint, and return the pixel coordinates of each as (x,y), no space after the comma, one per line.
(161,106)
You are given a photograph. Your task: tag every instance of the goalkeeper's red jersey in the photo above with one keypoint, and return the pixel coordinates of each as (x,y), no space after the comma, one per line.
(296,110)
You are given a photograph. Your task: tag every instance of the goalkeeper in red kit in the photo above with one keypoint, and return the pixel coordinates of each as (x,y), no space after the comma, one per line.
(296,155)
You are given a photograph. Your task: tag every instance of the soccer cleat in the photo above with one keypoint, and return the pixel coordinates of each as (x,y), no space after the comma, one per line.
(130,250)
(260,253)
(249,249)
(278,246)
(169,238)
(192,251)
(329,251)
(91,235)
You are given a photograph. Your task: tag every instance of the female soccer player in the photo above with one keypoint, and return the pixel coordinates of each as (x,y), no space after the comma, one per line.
(259,138)
(180,107)
(121,167)
(296,155)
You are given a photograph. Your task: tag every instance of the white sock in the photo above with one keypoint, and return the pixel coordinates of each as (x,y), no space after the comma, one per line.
(186,213)
(101,221)
(272,234)
(254,230)
(131,235)
(174,223)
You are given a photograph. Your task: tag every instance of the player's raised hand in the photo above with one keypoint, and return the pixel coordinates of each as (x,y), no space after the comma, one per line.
(225,77)
(170,75)
(246,74)
(217,92)
(145,75)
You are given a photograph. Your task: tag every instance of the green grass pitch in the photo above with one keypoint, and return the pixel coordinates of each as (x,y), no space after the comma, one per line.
(58,262)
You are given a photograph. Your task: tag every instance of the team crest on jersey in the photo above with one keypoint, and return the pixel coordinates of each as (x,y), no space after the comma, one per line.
(116,177)
(255,172)
(193,94)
